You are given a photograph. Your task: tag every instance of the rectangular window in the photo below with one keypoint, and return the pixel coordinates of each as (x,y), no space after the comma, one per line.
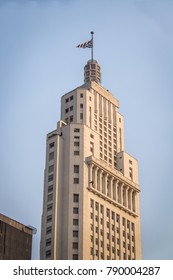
(48,230)
(71,108)
(71,118)
(76,180)
(66,100)
(50,197)
(76,130)
(75,222)
(75,256)
(48,254)
(50,178)
(75,233)
(81,116)
(50,188)
(75,210)
(48,242)
(49,218)
(51,156)
(71,97)
(75,245)
(66,110)
(76,153)
(75,197)
(51,145)
(76,168)
(76,144)
(51,168)
(81,105)
(81,95)
(49,207)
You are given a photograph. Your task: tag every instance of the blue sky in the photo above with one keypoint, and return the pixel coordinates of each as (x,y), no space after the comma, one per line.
(133,43)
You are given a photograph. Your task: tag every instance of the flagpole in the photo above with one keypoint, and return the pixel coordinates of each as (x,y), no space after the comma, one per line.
(92,45)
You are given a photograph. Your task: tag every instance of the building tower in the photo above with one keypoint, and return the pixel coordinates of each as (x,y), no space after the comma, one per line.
(91,190)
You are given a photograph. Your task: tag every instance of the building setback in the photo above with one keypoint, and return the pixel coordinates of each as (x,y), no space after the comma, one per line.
(15,240)
(91,189)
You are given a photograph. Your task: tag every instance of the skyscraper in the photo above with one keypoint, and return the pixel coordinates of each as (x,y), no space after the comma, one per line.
(91,189)
(15,239)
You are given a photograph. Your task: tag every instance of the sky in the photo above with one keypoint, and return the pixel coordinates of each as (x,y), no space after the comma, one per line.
(39,62)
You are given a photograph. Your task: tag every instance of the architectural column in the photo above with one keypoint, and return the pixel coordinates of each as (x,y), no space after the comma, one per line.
(95,177)
(134,201)
(117,191)
(121,192)
(114,190)
(129,198)
(104,183)
(90,177)
(109,187)
(98,179)
(125,195)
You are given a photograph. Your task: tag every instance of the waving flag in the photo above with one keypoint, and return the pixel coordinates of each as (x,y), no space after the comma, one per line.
(88,44)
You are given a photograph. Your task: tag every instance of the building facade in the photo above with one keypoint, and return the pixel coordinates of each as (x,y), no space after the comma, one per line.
(15,240)
(91,189)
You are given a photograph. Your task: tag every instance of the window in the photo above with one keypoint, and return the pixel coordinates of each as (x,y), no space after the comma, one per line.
(75,233)
(48,254)
(90,98)
(71,118)
(50,197)
(49,207)
(92,136)
(76,180)
(71,108)
(51,168)
(76,137)
(81,105)
(71,97)
(76,130)
(51,145)
(75,245)
(76,153)
(66,110)
(48,230)
(50,188)
(92,203)
(76,144)
(81,95)
(75,210)
(75,222)
(75,197)
(130,161)
(48,242)
(119,119)
(81,116)
(49,218)
(76,168)
(51,156)
(118,218)
(75,256)
(50,178)
(66,100)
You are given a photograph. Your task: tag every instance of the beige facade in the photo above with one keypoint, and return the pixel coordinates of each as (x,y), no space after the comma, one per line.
(91,190)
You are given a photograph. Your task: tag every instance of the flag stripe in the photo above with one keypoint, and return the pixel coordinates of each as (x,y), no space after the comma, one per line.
(88,44)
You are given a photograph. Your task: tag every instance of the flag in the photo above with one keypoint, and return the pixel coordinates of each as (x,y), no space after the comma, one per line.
(88,44)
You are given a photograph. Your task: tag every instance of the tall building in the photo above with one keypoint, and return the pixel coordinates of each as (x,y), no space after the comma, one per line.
(15,239)
(91,189)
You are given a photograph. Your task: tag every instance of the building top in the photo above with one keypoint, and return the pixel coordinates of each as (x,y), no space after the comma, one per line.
(92,85)
(92,71)
(15,224)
